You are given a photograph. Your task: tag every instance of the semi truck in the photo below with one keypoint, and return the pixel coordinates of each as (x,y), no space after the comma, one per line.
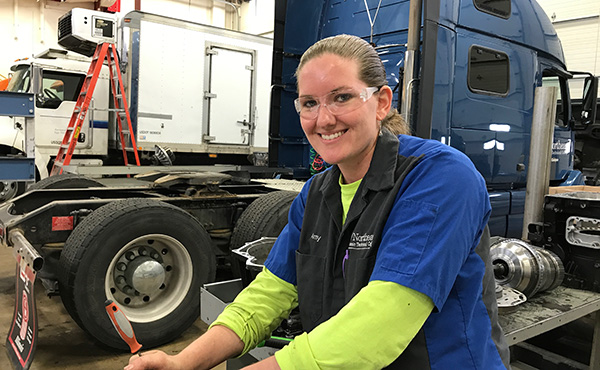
(196,93)
(464,73)
(467,78)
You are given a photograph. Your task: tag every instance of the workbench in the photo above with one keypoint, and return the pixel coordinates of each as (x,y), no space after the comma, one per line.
(542,313)
(549,310)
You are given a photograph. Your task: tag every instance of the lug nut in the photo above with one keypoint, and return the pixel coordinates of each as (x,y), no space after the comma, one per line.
(121,266)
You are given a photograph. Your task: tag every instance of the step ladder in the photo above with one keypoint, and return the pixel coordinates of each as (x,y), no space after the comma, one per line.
(67,147)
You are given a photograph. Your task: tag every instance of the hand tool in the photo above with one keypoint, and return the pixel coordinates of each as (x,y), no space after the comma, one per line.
(122,326)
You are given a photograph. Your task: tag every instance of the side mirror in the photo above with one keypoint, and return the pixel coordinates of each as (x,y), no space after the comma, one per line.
(590,100)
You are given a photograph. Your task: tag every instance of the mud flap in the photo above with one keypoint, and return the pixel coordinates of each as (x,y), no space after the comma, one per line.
(22,336)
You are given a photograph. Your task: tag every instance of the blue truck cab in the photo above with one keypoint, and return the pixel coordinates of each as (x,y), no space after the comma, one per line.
(477,69)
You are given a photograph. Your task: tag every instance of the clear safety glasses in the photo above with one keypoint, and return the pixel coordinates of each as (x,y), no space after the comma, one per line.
(338,102)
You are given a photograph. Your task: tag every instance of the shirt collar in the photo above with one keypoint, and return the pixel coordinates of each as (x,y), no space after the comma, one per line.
(383,164)
(381,170)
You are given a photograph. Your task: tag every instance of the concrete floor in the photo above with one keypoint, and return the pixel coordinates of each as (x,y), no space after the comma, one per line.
(61,343)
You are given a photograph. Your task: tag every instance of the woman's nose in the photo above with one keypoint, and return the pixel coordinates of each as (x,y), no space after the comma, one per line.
(324,116)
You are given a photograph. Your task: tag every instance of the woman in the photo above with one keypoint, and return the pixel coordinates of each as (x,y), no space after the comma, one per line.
(381,252)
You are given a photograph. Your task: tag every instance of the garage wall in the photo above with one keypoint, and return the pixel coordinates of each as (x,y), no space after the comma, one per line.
(577,23)
(210,12)
(257,17)
(28,27)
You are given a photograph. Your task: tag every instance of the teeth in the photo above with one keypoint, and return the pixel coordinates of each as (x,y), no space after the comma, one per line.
(332,136)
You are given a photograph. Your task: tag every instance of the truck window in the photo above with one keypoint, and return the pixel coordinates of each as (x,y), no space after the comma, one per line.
(58,87)
(488,71)
(562,112)
(499,8)
(19,81)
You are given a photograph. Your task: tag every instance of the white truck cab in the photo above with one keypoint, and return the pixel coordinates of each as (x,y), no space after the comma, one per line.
(55,77)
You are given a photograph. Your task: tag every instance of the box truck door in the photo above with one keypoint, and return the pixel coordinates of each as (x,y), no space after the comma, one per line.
(56,97)
(230,95)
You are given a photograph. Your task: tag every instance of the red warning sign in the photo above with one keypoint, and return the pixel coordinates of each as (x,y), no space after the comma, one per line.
(62,223)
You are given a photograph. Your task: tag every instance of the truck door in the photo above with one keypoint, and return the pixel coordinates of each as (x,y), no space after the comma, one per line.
(57,93)
(230,95)
(563,146)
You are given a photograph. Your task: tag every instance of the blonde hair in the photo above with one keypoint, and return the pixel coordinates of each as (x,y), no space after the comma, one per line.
(370,69)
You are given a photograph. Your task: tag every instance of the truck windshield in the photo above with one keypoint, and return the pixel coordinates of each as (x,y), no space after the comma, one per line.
(20,79)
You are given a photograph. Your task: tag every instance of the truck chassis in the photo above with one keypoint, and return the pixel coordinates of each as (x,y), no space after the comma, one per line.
(149,249)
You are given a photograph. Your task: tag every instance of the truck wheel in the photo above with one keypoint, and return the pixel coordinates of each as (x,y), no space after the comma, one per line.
(266,216)
(147,256)
(10,189)
(65,181)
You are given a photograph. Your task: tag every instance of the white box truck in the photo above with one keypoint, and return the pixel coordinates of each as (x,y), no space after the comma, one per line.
(201,91)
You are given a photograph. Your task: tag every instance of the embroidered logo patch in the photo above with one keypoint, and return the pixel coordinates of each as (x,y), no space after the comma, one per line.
(361,241)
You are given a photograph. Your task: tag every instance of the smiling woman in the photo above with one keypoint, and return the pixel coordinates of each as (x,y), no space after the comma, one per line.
(345,137)
(343,75)
(370,69)
(382,251)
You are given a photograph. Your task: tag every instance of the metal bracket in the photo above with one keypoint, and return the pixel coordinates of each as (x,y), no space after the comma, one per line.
(24,249)
(209,95)
(17,168)
(583,231)
(208,138)
(210,51)
(510,297)
(16,104)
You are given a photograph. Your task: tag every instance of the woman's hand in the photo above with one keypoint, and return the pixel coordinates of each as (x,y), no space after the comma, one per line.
(154,360)
(213,347)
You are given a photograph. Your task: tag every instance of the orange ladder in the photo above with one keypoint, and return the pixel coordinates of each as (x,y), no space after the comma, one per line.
(67,147)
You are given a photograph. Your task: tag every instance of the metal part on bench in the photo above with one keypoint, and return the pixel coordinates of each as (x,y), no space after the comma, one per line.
(583,231)
(524,267)
(256,252)
(509,298)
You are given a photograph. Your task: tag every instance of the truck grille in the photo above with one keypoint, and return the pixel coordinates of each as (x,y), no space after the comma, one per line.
(64,26)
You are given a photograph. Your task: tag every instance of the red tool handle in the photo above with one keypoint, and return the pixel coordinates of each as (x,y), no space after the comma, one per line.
(122,325)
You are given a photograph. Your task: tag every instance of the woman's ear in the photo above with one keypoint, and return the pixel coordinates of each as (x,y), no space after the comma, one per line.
(384,102)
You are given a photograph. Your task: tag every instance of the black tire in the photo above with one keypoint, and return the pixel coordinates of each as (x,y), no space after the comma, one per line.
(123,232)
(266,216)
(66,181)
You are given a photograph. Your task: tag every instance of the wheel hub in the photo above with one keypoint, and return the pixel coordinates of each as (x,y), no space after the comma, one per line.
(149,277)
(8,189)
(145,275)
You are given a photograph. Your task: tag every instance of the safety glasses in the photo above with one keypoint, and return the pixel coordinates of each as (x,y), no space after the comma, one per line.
(337,102)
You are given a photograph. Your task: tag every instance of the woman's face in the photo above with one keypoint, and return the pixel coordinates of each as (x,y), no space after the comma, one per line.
(347,140)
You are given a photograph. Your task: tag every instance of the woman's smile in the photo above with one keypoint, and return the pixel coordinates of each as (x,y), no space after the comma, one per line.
(335,135)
